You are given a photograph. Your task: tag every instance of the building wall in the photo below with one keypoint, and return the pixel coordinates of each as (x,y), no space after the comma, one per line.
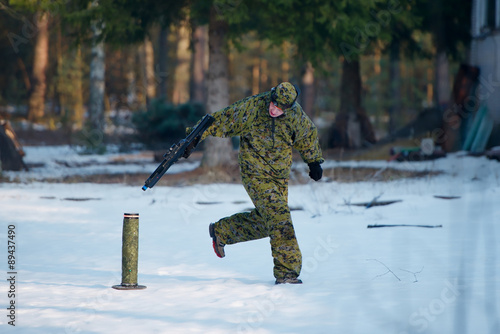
(485,54)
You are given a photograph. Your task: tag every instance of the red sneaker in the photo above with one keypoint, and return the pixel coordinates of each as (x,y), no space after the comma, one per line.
(218,245)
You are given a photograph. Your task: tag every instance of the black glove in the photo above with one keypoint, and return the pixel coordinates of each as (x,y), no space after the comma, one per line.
(315,171)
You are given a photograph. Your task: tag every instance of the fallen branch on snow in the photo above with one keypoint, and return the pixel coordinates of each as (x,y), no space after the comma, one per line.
(388,270)
(414,273)
(405,225)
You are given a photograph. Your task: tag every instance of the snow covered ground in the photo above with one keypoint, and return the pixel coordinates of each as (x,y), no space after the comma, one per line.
(398,280)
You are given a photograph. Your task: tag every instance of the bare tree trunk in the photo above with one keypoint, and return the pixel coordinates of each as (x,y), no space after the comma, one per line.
(96,89)
(130,73)
(69,86)
(36,101)
(264,77)
(146,56)
(218,150)
(78,114)
(285,64)
(350,88)
(162,63)
(256,75)
(395,86)
(308,95)
(24,72)
(182,74)
(443,88)
(352,127)
(199,65)
(350,102)
(58,96)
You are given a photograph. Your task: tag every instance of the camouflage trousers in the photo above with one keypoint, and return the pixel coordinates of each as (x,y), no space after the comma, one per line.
(270,218)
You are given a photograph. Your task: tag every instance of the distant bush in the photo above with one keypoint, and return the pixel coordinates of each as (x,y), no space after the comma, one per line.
(164,123)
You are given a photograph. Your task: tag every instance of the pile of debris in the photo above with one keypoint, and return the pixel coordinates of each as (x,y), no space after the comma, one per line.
(426,151)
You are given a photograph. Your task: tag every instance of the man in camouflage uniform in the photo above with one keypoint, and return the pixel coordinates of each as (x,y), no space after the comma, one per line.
(269,125)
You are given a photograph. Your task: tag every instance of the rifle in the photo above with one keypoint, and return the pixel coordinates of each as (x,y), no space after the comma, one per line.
(182,149)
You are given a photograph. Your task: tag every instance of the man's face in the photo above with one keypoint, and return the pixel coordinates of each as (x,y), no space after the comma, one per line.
(274,111)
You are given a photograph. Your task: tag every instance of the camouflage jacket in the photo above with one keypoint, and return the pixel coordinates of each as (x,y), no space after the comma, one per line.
(265,142)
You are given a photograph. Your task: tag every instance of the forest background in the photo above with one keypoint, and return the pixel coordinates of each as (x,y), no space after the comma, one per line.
(101,71)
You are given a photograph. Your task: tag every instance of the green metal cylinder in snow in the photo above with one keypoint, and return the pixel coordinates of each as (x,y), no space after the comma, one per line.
(130,248)
(130,252)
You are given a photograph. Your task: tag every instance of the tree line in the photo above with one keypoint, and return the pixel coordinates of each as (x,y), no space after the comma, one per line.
(66,58)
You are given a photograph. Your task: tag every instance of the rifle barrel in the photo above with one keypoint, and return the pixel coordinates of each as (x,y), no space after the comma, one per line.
(176,151)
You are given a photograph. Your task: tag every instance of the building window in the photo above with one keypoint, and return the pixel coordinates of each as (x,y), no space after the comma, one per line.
(491,14)
(488,18)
